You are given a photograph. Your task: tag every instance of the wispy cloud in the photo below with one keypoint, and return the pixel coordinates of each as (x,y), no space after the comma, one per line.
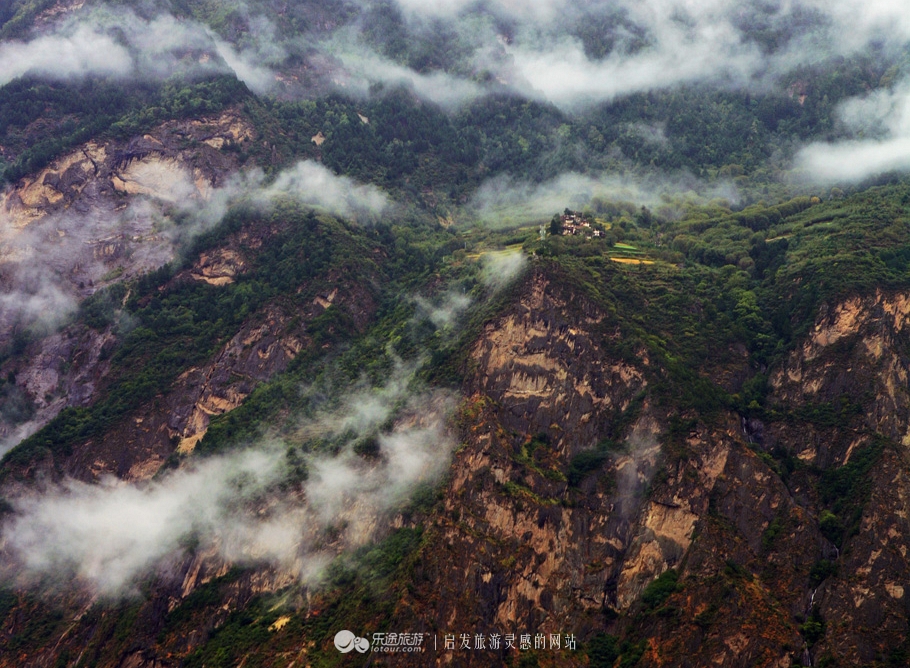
(535,48)
(505,201)
(881,123)
(84,51)
(312,184)
(445,310)
(121,44)
(35,297)
(108,535)
(563,74)
(364,68)
(43,261)
(501,268)
(49,265)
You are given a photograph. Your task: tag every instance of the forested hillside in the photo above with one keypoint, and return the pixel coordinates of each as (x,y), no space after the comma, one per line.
(582,325)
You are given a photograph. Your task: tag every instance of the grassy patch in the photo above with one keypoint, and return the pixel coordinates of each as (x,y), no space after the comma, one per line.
(519,491)
(587,462)
(845,490)
(659,590)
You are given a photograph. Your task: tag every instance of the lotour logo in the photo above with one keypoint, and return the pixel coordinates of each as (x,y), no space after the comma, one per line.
(345,641)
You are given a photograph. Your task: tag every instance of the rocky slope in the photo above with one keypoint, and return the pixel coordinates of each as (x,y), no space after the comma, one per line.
(518,548)
(682,442)
(583,503)
(98,216)
(854,362)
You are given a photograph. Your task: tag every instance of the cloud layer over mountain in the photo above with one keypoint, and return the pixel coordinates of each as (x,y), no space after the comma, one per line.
(107,536)
(882,121)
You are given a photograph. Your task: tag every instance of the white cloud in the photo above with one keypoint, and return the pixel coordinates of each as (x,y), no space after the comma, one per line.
(313,184)
(445,310)
(42,264)
(852,161)
(537,10)
(108,535)
(37,299)
(82,52)
(259,79)
(683,41)
(856,23)
(565,75)
(503,200)
(121,44)
(500,269)
(882,120)
(365,68)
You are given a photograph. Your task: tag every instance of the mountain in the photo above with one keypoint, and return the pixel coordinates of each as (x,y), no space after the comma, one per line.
(553,335)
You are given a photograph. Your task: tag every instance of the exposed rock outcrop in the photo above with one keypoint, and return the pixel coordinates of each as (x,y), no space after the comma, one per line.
(94,217)
(517,548)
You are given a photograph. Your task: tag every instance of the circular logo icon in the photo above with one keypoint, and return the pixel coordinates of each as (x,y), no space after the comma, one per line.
(344,641)
(361,644)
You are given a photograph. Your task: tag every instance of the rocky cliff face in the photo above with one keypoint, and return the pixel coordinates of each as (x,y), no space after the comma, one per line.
(527,542)
(93,218)
(854,355)
(583,502)
(854,362)
(542,392)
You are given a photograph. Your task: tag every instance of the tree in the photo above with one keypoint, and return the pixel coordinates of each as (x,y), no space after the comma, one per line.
(556,225)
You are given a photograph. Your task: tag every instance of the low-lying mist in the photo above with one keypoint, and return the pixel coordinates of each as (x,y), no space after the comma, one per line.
(109,41)
(47,266)
(880,123)
(354,456)
(266,504)
(504,201)
(570,54)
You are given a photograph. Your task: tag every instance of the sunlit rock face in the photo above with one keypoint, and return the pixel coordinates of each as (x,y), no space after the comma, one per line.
(105,213)
(515,548)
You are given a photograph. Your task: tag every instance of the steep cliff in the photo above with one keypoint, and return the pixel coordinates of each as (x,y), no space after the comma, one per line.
(288,347)
(99,216)
(782,537)
(581,502)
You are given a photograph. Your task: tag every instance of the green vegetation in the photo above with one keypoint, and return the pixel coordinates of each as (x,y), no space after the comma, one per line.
(39,627)
(722,281)
(813,629)
(736,571)
(822,570)
(445,155)
(537,455)
(187,321)
(602,650)
(357,596)
(660,589)
(588,461)
(845,491)
(205,596)
(707,617)
(97,109)
(16,16)
(7,602)
(775,527)
(241,633)
(714,295)
(685,314)
(395,333)
(631,653)
(518,491)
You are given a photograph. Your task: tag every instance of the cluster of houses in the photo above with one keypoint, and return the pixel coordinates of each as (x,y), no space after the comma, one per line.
(574,223)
